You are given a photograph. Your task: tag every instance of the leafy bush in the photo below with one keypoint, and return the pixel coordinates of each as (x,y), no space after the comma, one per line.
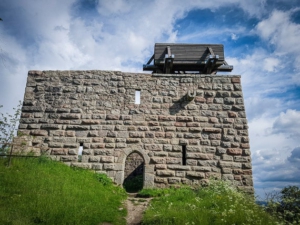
(285,204)
(8,127)
(103,179)
(217,203)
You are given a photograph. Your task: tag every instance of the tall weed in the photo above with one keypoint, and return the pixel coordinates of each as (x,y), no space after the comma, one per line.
(218,203)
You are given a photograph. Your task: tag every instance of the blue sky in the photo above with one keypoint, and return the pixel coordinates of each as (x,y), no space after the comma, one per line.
(261,39)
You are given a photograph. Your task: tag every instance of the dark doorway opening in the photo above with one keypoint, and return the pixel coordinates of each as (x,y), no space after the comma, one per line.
(134,173)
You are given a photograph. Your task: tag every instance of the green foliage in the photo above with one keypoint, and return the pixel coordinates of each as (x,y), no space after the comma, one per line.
(41,191)
(104,179)
(285,205)
(134,184)
(8,127)
(147,193)
(217,203)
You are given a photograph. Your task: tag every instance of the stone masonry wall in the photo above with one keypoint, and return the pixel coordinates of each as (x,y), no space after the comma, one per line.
(187,127)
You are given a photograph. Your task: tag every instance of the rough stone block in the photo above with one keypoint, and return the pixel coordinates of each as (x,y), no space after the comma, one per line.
(165,173)
(112,117)
(166,118)
(195,174)
(199,156)
(39,133)
(179,167)
(184,119)
(94,159)
(160,166)
(107,159)
(170,160)
(160,180)
(202,168)
(234,151)
(108,166)
(153,147)
(211,130)
(59,151)
(233,165)
(195,129)
(68,158)
(132,140)
(136,134)
(174,180)
(200,99)
(158,160)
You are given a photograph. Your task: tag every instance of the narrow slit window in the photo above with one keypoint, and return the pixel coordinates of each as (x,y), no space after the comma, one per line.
(80,149)
(137,97)
(184,155)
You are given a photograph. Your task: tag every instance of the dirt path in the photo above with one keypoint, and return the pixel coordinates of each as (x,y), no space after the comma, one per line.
(135,208)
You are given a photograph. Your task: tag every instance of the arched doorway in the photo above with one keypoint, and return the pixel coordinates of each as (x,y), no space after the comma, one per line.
(134,172)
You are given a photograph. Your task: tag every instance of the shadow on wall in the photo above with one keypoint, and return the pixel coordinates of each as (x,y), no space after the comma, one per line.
(180,104)
(134,173)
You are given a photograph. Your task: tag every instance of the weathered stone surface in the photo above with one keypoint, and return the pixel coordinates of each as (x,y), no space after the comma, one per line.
(153,147)
(199,156)
(158,160)
(107,159)
(184,118)
(59,151)
(234,151)
(211,130)
(165,173)
(39,133)
(195,174)
(96,110)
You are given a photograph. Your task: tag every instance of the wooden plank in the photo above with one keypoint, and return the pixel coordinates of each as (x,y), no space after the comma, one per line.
(188,47)
(193,51)
(187,56)
(188,51)
(202,48)
(184,45)
(191,47)
(190,62)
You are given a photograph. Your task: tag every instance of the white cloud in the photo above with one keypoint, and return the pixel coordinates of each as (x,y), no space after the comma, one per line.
(288,123)
(274,157)
(113,7)
(271,64)
(234,37)
(282,33)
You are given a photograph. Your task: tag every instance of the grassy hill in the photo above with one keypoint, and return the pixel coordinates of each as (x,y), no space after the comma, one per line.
(40,191)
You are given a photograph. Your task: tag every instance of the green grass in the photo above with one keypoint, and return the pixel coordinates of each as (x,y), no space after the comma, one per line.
(216,204)
(134,184)
(40,191)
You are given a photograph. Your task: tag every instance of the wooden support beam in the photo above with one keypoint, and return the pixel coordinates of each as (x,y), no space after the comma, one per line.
(149,61)
(211,51)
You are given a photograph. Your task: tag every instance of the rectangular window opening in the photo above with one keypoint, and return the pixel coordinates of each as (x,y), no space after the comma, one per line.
(184,155)
(137,99)
(80,149)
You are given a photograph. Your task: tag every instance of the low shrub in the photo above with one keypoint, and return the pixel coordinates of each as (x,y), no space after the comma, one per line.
(285,204)
(217,203)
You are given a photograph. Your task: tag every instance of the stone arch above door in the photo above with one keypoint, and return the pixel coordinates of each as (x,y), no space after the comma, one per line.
(148,169)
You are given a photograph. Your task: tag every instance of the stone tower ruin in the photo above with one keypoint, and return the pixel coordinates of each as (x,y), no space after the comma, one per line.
(183,123)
